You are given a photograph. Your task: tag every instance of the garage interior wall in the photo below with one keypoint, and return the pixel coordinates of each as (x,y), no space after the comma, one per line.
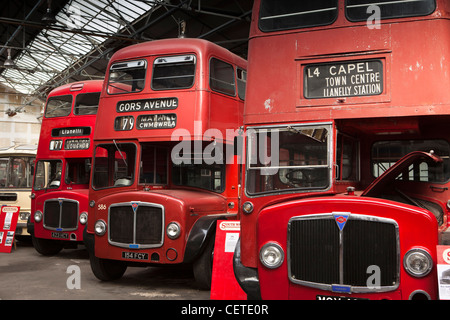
(19,124)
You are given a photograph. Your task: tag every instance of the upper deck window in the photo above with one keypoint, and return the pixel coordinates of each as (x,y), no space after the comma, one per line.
(177,72)
(86,103)
(277,15)
(358,10)
(59,106)
(126,77)
(221,77)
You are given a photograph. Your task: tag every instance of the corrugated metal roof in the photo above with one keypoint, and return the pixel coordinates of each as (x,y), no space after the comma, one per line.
(53,51)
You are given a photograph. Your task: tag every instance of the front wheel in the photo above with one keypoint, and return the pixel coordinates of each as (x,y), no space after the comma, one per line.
(107,270)
(203,266)
(46,247)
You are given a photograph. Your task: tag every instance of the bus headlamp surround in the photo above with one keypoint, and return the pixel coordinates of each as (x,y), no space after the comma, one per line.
(38,216)
(100,227)
(83,218)
(271,255)
(417,262)
(173,230)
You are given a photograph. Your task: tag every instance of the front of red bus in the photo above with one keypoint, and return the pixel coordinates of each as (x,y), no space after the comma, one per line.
(61,178)
(315,135)
(155,197)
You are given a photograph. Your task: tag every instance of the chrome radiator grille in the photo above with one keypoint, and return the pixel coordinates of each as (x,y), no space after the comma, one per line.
(334,251)
(136,225)
(61,214)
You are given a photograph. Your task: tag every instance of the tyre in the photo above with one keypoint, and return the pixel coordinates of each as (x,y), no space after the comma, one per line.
(107,270)
(203,266)
(46,247)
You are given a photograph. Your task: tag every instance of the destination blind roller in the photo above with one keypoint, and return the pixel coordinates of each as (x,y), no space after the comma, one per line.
(343,79)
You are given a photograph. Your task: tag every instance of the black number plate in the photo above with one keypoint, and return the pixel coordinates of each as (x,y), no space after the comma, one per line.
(330,298)
(134,255)
(60,235)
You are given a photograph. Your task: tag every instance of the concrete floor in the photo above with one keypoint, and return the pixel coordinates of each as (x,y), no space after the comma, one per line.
(27,275)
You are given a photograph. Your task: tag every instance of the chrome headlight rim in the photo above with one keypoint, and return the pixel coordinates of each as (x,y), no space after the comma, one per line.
(173,230)
(38,216)
(269,250)
(83,218)
(417,253)
(100,227)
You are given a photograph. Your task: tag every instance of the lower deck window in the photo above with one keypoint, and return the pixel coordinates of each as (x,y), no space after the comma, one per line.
(386,153)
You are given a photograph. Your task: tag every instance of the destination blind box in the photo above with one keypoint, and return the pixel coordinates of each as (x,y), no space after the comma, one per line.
(343,79)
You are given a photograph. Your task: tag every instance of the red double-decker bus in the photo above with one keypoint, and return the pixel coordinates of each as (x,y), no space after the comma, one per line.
(59,199)
(164,167)
(347,154)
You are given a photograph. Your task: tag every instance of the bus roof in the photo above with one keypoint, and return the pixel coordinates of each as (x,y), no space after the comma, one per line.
(77,87)
(19,150)
(173,46)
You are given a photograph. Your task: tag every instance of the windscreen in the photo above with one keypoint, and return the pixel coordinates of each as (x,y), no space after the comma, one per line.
(175,72)
(127,77)
(289,158)
(16,172)
(58,106)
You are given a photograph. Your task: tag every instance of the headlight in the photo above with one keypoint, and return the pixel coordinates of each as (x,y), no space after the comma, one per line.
(418,262)
(24,215)
(100,227)
(173,230)
(83,217)
(37,216)
(271,255)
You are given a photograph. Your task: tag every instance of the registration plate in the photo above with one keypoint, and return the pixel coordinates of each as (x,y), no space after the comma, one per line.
(60,235)
(331,298)
(134,255)
(343,79)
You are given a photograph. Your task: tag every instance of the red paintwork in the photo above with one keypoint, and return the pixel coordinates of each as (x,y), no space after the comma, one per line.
(389,175)
(272,226)
(414,105)
(196,104)
(64,191)
(182,206)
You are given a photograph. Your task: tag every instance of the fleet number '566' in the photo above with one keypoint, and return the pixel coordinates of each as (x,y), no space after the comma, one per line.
(101,206)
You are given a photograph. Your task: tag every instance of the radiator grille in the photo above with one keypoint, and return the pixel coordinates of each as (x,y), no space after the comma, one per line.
(135,223)
(321,255)
(61,214)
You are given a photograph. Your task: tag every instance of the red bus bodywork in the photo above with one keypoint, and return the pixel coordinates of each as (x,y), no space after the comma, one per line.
(296,85)
(143,123)
(61,179)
